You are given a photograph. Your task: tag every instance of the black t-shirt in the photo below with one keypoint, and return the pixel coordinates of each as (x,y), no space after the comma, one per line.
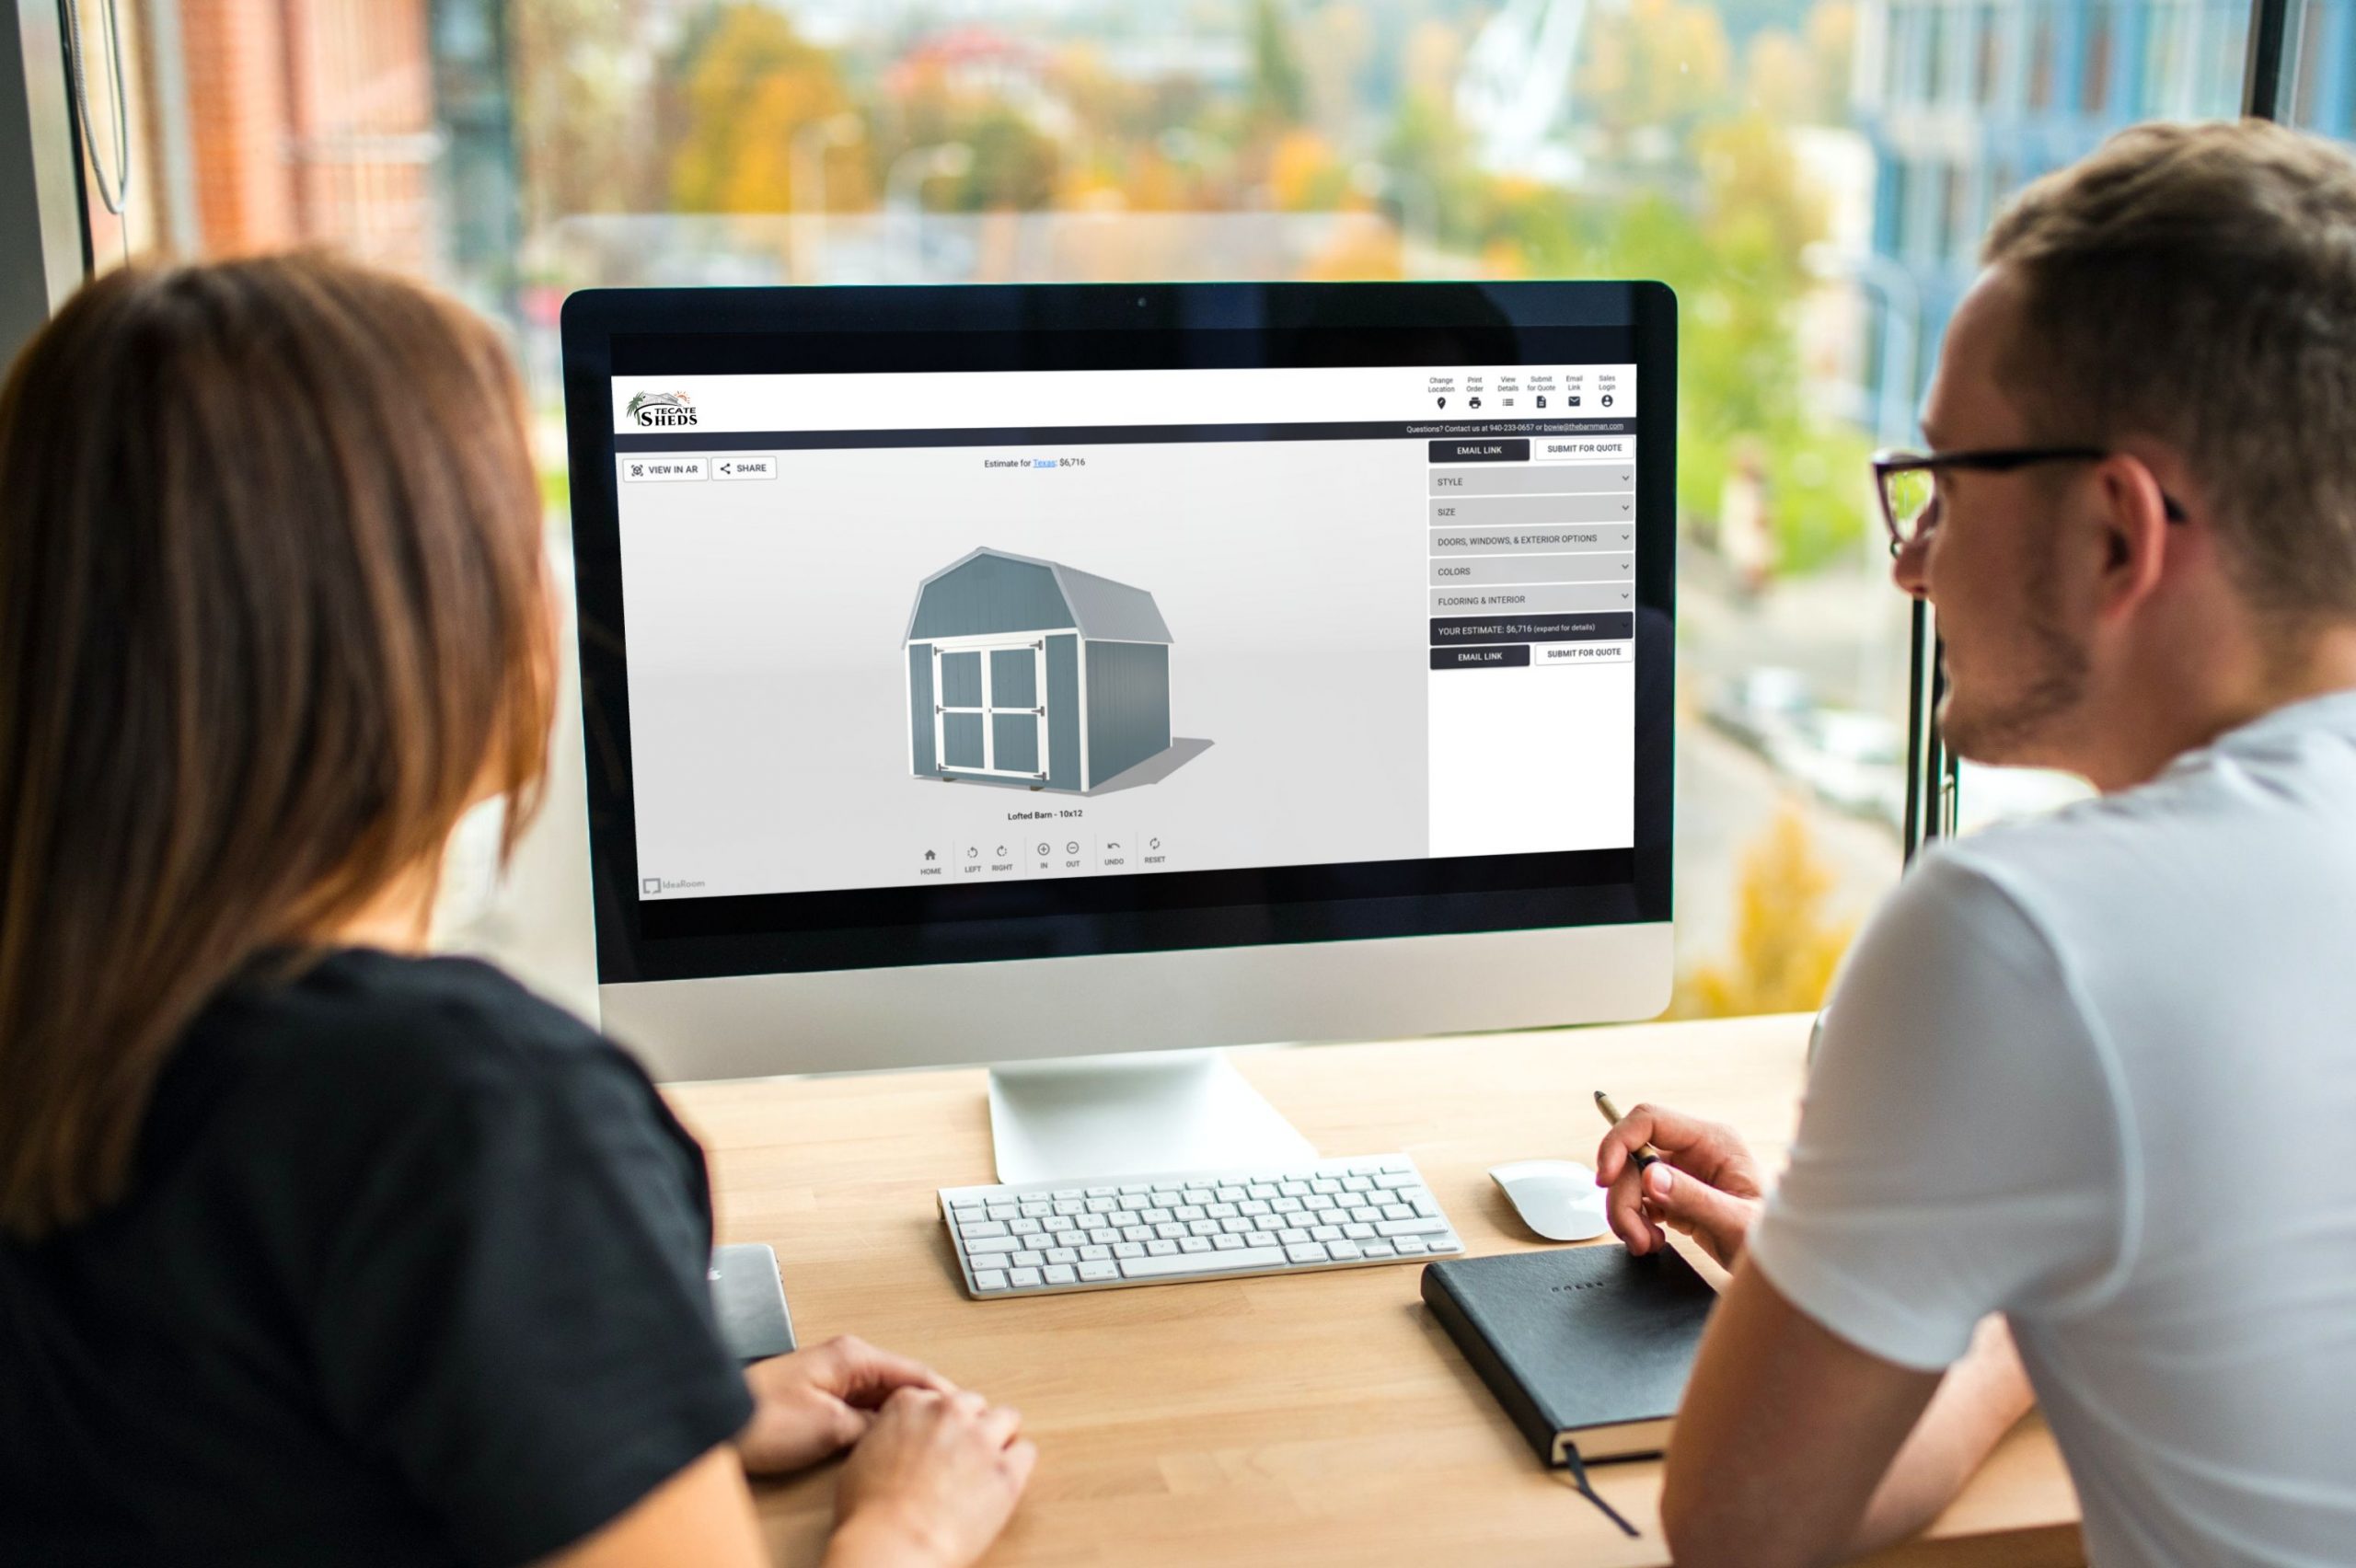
(412,1272)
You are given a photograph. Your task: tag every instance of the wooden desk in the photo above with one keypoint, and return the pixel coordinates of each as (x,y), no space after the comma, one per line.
(1317,1419)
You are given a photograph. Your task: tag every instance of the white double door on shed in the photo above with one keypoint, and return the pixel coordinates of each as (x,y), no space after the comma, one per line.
(989,709)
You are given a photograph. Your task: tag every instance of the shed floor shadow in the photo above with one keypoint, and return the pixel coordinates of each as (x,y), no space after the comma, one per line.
(1157,767)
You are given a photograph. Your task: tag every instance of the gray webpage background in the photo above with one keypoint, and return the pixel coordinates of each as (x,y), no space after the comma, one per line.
(767,680)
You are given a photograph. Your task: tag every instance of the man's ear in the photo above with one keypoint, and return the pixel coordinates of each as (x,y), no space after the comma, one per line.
(2135,533)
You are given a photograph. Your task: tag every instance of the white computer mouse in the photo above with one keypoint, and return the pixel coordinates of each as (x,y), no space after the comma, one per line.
(1557,1198)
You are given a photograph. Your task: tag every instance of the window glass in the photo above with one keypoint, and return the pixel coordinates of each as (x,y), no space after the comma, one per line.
(1816,213)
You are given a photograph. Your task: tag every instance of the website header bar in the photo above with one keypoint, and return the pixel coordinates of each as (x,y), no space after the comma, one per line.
(962,400)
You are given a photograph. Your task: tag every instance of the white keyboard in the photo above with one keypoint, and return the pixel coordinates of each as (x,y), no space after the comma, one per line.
(1039,1237)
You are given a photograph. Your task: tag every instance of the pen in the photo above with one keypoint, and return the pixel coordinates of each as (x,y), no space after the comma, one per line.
(1644,1155)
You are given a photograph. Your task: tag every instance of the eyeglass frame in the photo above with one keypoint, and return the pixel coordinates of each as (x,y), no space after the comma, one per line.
(1990,459)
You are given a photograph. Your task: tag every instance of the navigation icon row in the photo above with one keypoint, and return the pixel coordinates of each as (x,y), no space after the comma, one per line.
(1038,850)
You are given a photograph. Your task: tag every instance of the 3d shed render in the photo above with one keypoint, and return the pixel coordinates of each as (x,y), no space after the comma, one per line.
(1028,671)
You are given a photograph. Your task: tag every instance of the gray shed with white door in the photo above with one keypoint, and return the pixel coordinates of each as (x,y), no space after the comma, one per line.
(1028,671)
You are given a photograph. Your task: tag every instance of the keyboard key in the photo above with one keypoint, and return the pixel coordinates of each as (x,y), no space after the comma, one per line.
(1318,1203)
(1195,1244)
(1227,1243)
(1306,1253)
(970,1228)
(1198,1196)
(1292,1238)
(1397,1211)
(1027,1260)
(1094,1254)
(1407,1246)
(1422,1204)
(1131,1202)
(1357,1232)
(1269,1222)
(1220,1211)
(1263,1190)
(989,1279)
(1161,1249)
(1137,1233)
(1366,1215)
(978,1245)
(1187,1211)
(1023,1279)
(1357,1183)
(1061,1273)
(1251,1205)
(1102,1192)
(1227,1194)
(1129,1249)
(1398,1227)
(1324,1233)
(1025,1226)
(1293,1189)
(1325,1184)
(1172,1231)
(1095,1271)
(1205,1227)
(1238,1226)
(1342,1252)
(1379,1248)
(1165,1268)
(1062,1255)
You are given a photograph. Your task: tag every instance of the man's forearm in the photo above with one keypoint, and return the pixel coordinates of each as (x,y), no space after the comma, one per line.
(1980,1400)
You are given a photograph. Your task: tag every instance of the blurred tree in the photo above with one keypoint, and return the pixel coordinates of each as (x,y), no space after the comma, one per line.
(579,138)
(752,84)
(1337,43)
(1786,943)
(1655,69)
(1279,91)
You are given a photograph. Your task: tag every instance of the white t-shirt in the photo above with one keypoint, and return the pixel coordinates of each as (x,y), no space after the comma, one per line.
(2097,1072)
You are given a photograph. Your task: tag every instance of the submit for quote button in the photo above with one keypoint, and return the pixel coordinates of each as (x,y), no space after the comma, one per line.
(1562,654)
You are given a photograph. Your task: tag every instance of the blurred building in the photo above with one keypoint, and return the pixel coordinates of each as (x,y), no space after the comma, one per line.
(1965,100)
(318,123)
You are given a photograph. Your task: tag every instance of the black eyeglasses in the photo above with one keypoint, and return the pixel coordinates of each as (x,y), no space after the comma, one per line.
(1904,480)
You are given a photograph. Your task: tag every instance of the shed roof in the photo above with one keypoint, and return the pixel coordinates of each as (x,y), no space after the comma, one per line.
(1101,608)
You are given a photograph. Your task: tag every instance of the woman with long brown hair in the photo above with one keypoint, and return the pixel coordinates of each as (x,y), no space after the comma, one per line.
(314,1248)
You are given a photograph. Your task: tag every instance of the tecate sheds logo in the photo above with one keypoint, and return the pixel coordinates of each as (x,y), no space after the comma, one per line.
(660,409)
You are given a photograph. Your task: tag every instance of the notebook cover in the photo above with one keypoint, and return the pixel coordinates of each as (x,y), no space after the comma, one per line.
(1580,1339)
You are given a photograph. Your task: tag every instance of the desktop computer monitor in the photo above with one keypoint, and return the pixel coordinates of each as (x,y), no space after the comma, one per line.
(984,674)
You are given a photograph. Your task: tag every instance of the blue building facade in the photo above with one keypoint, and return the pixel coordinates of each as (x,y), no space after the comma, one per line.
(1964,101)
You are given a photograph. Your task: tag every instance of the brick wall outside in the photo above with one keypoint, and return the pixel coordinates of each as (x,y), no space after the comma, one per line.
(313,121)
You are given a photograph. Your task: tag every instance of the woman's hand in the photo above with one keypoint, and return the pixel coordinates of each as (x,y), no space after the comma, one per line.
(931,1484)
(816,1402)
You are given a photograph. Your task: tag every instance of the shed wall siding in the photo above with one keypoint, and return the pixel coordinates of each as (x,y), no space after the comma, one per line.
(920,708)
(1129,702)
(1062,712)
(989,595)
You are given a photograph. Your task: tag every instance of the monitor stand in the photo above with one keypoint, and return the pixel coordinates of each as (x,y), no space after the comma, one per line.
(1139,1115)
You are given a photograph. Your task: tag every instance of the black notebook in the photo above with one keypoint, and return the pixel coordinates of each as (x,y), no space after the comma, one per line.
(1586,1348)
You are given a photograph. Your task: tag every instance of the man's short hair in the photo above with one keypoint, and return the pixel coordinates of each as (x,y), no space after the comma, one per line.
(2197,284)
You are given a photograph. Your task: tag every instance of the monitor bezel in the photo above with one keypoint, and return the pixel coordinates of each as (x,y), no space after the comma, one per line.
(607,331)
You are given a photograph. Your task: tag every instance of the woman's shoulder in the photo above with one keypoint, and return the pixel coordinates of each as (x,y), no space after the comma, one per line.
(368,1035)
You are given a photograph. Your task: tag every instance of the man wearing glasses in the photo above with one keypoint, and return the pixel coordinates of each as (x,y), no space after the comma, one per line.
(2078,1130)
